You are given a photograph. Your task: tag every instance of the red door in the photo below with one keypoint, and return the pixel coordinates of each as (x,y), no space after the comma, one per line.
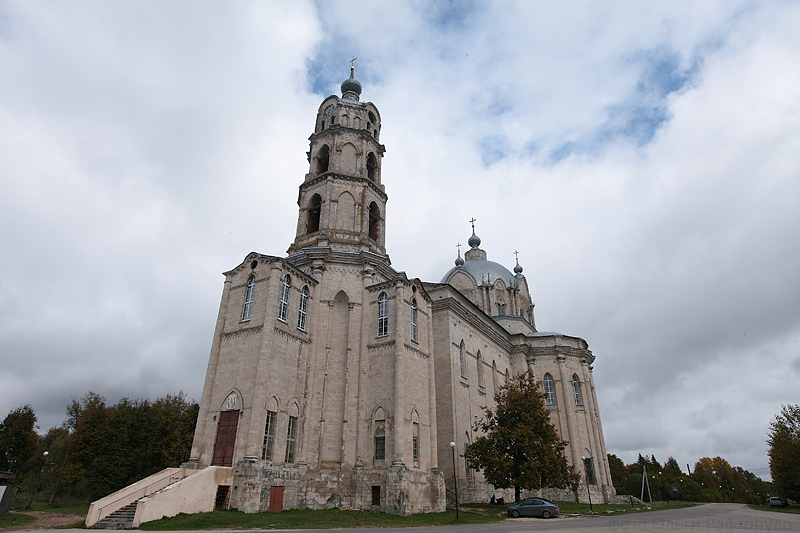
(226,438)
(275,499)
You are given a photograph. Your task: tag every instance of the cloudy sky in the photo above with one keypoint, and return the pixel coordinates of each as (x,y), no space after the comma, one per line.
(643,157)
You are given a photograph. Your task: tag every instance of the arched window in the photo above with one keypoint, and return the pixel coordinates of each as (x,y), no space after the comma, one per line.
(461,360)
(480,369)
(291,439)
(248,298)
(303,312)
(323,157)
(372,165)
(507,376)
(414,320)
(549,390)
(494,377)
(379,437)
(269,436)
(380,444)
(314,210)
(374,221)
(576,389)
(284,307)
(383,315)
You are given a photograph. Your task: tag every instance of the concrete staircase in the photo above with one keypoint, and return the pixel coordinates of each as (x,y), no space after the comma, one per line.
(120,519)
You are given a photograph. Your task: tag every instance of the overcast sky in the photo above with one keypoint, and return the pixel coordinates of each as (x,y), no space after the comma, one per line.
(643,157)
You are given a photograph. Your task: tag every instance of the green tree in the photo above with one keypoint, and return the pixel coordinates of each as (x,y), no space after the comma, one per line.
(784,452)
(18,440)
(520,447)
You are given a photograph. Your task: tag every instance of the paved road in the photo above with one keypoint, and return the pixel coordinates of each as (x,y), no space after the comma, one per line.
(713,517)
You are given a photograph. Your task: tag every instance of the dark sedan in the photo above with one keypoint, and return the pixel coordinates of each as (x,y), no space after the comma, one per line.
(533,507)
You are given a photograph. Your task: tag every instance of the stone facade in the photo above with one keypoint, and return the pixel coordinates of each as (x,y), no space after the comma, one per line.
(335,381)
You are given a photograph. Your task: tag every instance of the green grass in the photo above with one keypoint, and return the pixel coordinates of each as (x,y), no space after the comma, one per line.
(14,520)
(79,509)
(308,519)
(794,509)
(566,508)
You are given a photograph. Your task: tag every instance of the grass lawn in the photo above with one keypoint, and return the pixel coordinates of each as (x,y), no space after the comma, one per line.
(795,509)
(607,509)
(15,520)
(308,519)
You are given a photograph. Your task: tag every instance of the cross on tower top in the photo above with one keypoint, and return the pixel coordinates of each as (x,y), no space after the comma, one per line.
(516,254)
(352,63)
(459,248)
(472,221)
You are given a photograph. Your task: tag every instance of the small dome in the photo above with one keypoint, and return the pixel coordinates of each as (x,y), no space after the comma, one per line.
(474,241)
(351,85)
(517,269)
(459,261)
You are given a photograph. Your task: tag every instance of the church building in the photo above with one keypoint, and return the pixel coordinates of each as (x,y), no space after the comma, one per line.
(335,380)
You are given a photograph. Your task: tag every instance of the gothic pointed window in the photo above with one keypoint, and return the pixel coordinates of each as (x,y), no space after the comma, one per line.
(323,158)
(549,390)
(380,444)
(303,312)
(314,211)
(372,165)
(414,320)
(576,390)
(248,298)
(383,315)
(374,221)
(284,305)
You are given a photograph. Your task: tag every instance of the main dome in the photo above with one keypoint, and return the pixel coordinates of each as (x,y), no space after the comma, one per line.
(482,270)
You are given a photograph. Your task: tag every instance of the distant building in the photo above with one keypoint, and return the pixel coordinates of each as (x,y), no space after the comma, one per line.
(336,381)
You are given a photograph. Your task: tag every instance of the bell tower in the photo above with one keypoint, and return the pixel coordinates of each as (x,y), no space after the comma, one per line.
(342,202)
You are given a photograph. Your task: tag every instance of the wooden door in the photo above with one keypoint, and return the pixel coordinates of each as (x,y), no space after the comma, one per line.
(226,438)
(275,499)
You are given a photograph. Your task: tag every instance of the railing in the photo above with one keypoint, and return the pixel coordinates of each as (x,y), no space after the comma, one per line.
(134,496)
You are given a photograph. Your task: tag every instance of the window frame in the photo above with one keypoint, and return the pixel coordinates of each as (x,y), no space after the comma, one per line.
(283,308)
(268,448)
(379,437)
(383,315)
(576,390)
(302,312)
(462,362)
(249,294)
(549,390)
(291,439)
(414,320)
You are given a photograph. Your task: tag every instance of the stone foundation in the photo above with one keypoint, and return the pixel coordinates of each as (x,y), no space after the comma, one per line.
(403,491)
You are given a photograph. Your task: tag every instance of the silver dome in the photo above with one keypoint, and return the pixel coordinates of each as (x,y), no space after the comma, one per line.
(480,269)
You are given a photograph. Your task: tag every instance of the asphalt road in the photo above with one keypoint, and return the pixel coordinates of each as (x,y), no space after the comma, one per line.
(712,517)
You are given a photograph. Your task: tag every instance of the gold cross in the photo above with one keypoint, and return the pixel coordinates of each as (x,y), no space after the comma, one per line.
(516,254)
(352,61)
(459,248)
(472,221)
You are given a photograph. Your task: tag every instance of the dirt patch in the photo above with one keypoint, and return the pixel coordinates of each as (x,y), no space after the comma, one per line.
(46,520)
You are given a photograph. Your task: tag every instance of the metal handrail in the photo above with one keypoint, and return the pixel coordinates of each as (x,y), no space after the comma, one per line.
(181,472)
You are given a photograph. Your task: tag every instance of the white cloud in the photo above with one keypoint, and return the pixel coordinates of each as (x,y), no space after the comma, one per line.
(641,157)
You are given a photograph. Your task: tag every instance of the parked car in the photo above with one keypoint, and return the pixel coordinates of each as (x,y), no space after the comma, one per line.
(533,507)
(777,502)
